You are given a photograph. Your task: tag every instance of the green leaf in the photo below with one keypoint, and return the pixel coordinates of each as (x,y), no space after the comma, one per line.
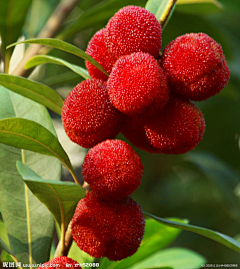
(44,59)
(162,9)
(222,176)
(176,258)
(216,236)
(26,134)
(13,196)
(60,198)
(12,17)
(3,234)
(156,236)
(6,248)
(78,255)
(62,45)
(199,6)
(35,91)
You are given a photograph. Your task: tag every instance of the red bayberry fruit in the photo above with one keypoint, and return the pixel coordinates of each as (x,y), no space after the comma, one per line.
(88,115)
(196,66)
(137,85)
(112,169)
(178,128)
(133,29)
(112,230)
(61,263)
(97,49)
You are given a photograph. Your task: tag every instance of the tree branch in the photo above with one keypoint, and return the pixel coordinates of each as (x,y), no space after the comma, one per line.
(52,26)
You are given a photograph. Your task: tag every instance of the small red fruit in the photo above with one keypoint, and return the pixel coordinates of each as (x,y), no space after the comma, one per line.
(61,263)
(137,85)
(133,29)
(88,115)
(97,49)
(195,66)
(112,169)
(178,128)
(112,230)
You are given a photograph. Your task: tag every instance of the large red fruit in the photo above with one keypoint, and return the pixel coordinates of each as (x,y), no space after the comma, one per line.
(112,169)
(97,49)
(133,29)
(196,66)
(61,263)
(88,115)
(137,85)
(112,230)
(177,129)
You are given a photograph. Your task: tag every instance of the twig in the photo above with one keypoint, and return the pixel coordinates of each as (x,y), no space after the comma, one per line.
(52,26)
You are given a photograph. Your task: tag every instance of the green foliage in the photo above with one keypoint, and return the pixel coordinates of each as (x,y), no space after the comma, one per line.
(35,91)
(60,198)
(44,59)
(219,237)
(16,202)
(59,44)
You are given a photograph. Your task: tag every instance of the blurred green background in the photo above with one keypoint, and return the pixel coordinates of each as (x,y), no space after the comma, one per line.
(202,185)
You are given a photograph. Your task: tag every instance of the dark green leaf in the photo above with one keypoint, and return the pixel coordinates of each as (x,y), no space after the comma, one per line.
(60,198)
(13,194)
(12,17)
(44,59)
(26,134)
(176,258)
(156,236)
(59,44)
(216,236)
(35,91)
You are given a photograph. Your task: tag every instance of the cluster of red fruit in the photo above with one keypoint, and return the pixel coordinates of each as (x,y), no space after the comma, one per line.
(108,222)
(146,96)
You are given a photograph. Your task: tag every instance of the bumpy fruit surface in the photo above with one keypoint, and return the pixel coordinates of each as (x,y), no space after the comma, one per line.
(112,230)
(97,49)
(137,85)
(112,169)
(196,66)
(177,129)
(133,29)
(61,263)
(88,115)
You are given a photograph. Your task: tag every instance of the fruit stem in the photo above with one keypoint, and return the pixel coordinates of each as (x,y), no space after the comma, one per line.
(167,12)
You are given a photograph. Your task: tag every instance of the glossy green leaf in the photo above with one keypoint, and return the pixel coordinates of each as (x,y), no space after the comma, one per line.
(216,236)
(222,176)
(26,134)
(35,91)
(13,202)
(44,59)
(176,258)
(60,197)
(62,45)
(156,236)
(99,13)
(12,17)
(199,6)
